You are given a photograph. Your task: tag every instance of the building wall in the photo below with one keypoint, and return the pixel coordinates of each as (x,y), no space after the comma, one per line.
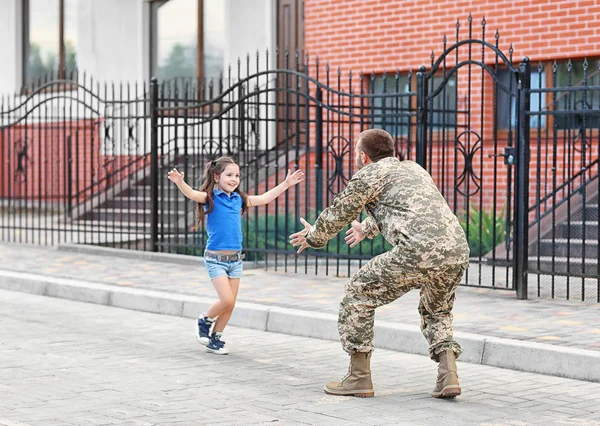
(113,38)
(10,47)
(374,36)
(56,162)
(250,27)
(110,41)
(389,34)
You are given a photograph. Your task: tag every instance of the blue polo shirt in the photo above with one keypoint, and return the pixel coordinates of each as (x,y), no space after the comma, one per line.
(224,223)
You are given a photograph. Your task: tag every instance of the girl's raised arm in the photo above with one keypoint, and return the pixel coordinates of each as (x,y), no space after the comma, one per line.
(177,178)
(290,180)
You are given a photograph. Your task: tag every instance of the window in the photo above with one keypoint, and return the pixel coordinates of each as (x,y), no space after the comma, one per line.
(577,100)
(391,113)
(49,39)
(188,39)
(443,109)
(507,103)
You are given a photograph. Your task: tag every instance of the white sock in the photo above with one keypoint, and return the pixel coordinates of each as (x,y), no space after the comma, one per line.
(207,318)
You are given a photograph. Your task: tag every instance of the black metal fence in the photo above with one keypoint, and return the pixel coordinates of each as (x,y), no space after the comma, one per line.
(514,151)
(563,209)
(305,116)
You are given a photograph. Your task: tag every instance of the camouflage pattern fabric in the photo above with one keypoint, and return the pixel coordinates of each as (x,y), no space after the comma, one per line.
(430,250)
(404,205)
(384,279)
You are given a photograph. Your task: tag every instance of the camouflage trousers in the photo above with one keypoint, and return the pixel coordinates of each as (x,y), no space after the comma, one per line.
(384,279)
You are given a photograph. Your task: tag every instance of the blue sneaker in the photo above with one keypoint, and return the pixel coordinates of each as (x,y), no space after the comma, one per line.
(203,332)
(216,345)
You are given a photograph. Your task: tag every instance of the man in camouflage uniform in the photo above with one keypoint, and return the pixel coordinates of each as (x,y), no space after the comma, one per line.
(429,251)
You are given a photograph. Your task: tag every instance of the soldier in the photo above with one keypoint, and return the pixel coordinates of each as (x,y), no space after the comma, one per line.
(429,251)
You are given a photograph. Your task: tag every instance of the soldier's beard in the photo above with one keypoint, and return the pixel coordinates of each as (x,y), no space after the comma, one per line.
(359,162)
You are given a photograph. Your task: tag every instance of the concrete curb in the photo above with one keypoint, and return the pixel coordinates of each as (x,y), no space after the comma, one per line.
(178,259)
(519,355)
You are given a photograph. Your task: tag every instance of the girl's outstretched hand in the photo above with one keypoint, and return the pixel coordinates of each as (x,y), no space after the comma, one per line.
(294,178)
(175,176)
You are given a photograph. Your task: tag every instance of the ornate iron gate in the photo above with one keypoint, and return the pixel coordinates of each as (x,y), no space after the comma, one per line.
(469,125)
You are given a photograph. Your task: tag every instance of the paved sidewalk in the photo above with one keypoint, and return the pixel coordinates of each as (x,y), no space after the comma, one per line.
(69,363)
(482,311)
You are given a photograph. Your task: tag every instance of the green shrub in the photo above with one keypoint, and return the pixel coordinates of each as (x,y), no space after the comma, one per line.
(270,232)
(479,227)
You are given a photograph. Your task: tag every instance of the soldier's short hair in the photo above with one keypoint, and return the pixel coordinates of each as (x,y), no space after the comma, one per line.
(376,143)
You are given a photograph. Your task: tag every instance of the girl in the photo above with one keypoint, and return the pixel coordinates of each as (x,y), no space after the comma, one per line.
(220,199)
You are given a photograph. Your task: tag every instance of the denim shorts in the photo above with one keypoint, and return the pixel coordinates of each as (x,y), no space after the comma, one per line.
(217,268)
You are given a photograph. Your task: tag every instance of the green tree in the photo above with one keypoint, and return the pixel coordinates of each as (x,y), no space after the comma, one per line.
(181,62)
(70,57)
(39,67)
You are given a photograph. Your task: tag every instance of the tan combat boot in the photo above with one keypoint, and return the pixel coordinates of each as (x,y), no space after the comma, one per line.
(447,385)
(358,380)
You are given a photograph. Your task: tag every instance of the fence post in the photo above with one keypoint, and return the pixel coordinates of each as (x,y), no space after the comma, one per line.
(521,226)
(154,169)
(242,122)
(69,166)
(421,154)
(319,150)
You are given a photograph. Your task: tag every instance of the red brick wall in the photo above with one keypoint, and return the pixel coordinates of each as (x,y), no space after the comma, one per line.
(49,171)
(390,34)
(377,35)
(489,187)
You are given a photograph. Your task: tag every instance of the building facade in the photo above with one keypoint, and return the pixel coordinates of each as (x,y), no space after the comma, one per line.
(129,40)
(499,100)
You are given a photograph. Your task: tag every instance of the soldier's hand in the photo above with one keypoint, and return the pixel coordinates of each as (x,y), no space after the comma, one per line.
(354,235)
(299,238)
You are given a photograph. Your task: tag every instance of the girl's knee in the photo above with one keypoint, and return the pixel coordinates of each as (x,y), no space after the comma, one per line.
(228,303)
(230,306)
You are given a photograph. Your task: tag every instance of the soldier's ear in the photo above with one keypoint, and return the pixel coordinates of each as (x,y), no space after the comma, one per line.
(365,158)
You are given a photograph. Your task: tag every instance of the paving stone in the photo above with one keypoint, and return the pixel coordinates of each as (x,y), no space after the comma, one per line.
(153,372)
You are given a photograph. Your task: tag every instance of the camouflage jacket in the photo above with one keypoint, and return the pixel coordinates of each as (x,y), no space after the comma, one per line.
(404,205)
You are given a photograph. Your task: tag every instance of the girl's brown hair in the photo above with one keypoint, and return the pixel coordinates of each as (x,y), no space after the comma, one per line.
(215,167)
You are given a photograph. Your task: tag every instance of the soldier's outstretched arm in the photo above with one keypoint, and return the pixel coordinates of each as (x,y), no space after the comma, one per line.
(345,208)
